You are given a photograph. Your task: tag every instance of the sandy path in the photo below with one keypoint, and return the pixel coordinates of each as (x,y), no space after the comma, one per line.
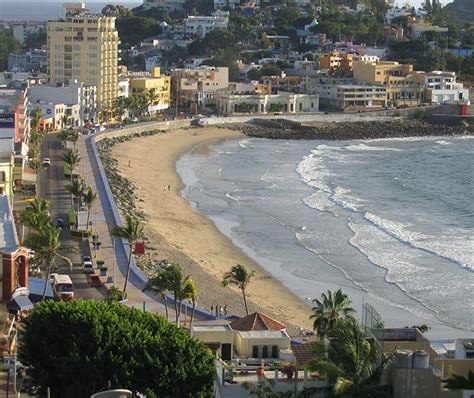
(179,234)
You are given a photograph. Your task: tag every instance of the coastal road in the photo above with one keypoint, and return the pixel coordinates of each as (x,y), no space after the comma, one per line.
(52,187)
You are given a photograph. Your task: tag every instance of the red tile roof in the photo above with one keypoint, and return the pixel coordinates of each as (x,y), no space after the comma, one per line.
(256,321)
(305,352)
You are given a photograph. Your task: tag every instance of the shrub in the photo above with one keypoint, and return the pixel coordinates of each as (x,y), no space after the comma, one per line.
(76,347)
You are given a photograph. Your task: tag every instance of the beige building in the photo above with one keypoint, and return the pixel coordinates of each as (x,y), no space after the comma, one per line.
(84,47)
(403,85)
(255,336)
(229,103)
(144,83)
(195,88)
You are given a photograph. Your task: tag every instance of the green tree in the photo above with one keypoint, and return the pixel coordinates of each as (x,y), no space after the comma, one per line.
(76,189)
(78,347)
(457,382)
(133,29)
(120,105)
(240,277)
(64,136)
(352,366)
(36,214)
(46,243)
(179,285)
(73,137)
(159,285)
(328,311)
(131,231)
(8,44)
(89,198)
(35,118)
(72,158)
(64,121)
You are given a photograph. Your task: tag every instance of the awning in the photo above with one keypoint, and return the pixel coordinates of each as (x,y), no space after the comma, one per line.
(20,303)
(36,287)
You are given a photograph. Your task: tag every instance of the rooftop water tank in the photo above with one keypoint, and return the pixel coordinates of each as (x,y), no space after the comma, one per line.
(403,359)
(421,360)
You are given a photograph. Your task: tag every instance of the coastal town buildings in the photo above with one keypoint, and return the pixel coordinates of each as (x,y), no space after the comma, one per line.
(194,88)
(420,27)
(76,100)
(151,84)
(14,115)
(84,47)
(335,60)
(343,97)
(24,61)
(229,103)
(200,26)
(22,29)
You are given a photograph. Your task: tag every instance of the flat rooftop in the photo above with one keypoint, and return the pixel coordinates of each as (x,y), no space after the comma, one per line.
(8,237)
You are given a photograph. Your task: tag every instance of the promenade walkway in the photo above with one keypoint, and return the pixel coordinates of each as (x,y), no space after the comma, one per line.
(103,223)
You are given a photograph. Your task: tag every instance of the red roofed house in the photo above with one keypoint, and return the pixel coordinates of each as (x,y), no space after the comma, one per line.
(255,336)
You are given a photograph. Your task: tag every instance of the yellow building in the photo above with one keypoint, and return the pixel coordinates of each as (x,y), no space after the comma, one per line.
(335,60)
(84,47)
(144,83)
(404,86)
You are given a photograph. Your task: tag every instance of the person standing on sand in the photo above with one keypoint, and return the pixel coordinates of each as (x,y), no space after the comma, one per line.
(225,310)
(212,309)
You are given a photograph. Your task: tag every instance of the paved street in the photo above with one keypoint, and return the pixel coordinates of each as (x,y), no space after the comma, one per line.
(51,187)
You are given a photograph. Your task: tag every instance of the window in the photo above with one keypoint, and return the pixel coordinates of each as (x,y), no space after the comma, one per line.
(59,47)
(76,64)
(58,63)
(255,351)
(58,71)
(265,352)
(92,46)
(274,351)
(76,47)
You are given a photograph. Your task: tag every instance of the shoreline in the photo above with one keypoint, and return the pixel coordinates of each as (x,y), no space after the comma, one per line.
(171,223)
(165,239)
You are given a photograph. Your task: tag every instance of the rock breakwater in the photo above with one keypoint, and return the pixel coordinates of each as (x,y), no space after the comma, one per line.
(398,128)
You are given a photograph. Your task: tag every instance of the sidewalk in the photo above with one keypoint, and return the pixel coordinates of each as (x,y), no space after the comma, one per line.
(102,222)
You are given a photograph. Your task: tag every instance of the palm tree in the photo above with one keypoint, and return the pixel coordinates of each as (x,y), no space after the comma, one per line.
(330,310)
(120,105)
(151,97)
(191,294)
(76,189)
(47,245)
(33,153)
(240,277)
(89,198)
(352,365)
(72,158)
(64,120)
(35,138)
(73,137)
(35,118)
(159,285)
(131,231)
(180,286)
(64,136)
(457,382)
(36,215)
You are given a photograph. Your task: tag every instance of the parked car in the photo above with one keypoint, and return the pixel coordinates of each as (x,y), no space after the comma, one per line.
(95,281)
(9,363)
(87,266)
(46,162)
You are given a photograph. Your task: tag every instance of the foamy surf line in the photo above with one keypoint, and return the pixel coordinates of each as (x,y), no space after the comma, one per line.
(379,223)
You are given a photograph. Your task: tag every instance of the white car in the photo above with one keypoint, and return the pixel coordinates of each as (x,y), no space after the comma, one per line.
(87,266)
(46,162)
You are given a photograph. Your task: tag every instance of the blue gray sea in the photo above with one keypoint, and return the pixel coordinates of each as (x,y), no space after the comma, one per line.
(392,219)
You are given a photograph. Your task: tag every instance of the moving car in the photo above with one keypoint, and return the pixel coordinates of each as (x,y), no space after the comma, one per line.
(46,162)
(63,288)
(94,281)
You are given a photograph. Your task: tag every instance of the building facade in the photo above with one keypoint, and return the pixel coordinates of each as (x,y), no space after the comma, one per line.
(200,26)
(229,103)
(194,88)
(84,47)
(146,83)
(78,100)
(335,60)
(340,97)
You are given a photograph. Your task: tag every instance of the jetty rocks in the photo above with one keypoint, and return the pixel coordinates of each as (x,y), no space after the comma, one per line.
(398,128)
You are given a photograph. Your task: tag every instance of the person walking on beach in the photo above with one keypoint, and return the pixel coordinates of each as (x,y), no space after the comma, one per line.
(212,309)
(225,310)
(169,187)
(217,311)
(129,163)
(221,310)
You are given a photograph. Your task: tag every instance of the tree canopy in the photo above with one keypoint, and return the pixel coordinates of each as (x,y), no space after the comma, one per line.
(76,348)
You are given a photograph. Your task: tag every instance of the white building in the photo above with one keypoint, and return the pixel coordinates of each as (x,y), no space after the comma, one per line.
(76,95)
(339,97)
(229,103)
(21,30)
(442,87)
(366,58)
(201,26)
(220,4)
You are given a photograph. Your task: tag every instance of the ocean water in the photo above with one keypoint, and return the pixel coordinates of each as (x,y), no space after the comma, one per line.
(393,218)
(40,10)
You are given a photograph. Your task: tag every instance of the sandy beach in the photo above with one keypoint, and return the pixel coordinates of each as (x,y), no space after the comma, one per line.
(177,233)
